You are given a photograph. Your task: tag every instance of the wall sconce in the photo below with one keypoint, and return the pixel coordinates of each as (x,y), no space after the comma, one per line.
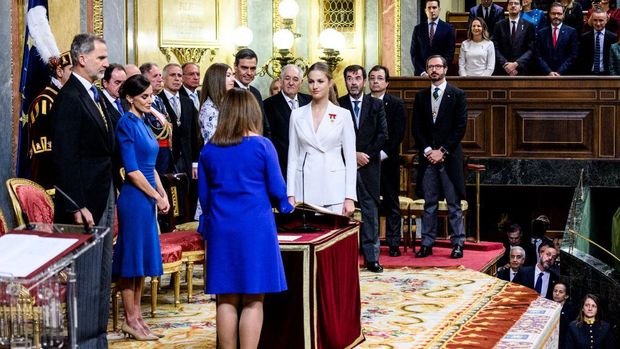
(332,42)
(283,41)
(242,37)
(288,10)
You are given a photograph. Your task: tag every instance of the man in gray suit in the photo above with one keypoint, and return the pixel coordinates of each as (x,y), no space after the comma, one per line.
(438,126)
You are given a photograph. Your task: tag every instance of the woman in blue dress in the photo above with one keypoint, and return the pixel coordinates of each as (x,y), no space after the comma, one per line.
(137,253)
(238,179)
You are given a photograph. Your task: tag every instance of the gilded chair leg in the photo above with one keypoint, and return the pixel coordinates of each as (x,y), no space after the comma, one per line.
(177,288)
(116,295)
(189,275)
(154,287)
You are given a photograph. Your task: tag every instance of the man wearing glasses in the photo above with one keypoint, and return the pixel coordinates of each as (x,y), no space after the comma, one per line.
(439,121)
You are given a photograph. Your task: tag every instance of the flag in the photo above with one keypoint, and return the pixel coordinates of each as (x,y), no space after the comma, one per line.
(34,77)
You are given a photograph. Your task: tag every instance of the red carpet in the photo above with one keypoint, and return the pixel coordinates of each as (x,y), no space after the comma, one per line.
(476,256)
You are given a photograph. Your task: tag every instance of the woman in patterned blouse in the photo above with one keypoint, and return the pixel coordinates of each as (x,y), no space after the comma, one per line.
(218,79)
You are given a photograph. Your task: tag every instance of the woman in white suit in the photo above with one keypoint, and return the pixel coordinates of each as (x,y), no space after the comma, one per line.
(320,135)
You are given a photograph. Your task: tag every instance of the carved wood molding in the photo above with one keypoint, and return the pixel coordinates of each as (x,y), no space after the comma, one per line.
(188,54)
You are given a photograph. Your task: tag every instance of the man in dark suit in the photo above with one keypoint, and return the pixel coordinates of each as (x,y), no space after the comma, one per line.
(370,135)
(191,81)
(184,118)
(513,38)
(439,121)
(490,12)
(379,79)
(594,54)
(83,139)
(540,277)
(517,258)
(434,37)
(158,120)
(113,78)
(278,109)
(186,140)
(245,72)
(557,45)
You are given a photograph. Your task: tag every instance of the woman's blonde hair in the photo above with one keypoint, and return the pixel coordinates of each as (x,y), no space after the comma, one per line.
(239,115)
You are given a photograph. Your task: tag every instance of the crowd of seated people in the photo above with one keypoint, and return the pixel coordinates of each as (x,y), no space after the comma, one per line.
(536,37)
(534,263)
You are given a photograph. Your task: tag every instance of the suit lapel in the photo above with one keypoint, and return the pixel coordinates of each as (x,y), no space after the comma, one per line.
(171,112)
(308,128)
(284,108)
(93,112)
(365,111)
(446,100)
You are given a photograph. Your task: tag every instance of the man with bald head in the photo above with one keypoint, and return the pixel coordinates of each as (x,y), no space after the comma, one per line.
(278,109)
(131,70)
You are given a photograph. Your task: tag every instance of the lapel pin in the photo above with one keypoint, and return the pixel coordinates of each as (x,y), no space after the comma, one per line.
(332,117)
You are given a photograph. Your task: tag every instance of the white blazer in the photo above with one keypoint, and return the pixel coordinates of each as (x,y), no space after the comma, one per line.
(328,180)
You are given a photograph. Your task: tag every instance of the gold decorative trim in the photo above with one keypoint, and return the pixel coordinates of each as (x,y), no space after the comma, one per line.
(98,17)
(188,54)
(397,38)
(243,4)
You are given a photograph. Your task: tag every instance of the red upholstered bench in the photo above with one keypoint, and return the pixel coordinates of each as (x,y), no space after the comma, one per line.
(193,248)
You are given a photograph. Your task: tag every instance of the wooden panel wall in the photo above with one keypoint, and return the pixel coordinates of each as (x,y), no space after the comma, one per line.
(531,117)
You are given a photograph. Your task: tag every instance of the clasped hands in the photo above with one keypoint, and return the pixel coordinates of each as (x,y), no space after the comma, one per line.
(162,203)
(435,156)
(511,68)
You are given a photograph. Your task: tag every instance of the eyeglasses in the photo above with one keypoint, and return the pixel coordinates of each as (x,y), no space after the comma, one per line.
(435,67)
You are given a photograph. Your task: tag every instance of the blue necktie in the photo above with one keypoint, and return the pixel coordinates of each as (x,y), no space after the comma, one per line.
(597,53)
(538,286)
(119,106)
(95,93)
(356,111)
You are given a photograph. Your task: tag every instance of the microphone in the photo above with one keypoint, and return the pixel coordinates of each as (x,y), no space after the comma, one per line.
(27,224)
(74,206)
(304,227)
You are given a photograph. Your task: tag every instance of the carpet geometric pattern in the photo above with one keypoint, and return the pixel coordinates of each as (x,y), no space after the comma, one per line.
(401,308)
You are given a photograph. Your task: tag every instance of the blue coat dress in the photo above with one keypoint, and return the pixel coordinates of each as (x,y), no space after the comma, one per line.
(137,252)
(236,186)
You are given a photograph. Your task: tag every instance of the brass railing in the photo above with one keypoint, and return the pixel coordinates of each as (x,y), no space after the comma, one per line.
(574,233)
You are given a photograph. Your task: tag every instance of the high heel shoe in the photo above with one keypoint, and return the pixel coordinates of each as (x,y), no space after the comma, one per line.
(131,332)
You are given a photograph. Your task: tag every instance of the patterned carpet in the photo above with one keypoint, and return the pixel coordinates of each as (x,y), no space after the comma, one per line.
(401,308)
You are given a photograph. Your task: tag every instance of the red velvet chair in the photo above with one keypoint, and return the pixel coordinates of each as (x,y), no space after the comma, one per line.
(184,234)
(30,201)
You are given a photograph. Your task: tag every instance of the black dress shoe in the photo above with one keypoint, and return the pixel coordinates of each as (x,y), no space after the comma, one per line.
(394,251)
(457,252)
(424,251)
(375,267)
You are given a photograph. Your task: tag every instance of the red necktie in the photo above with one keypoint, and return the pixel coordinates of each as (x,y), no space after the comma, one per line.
(555,36)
